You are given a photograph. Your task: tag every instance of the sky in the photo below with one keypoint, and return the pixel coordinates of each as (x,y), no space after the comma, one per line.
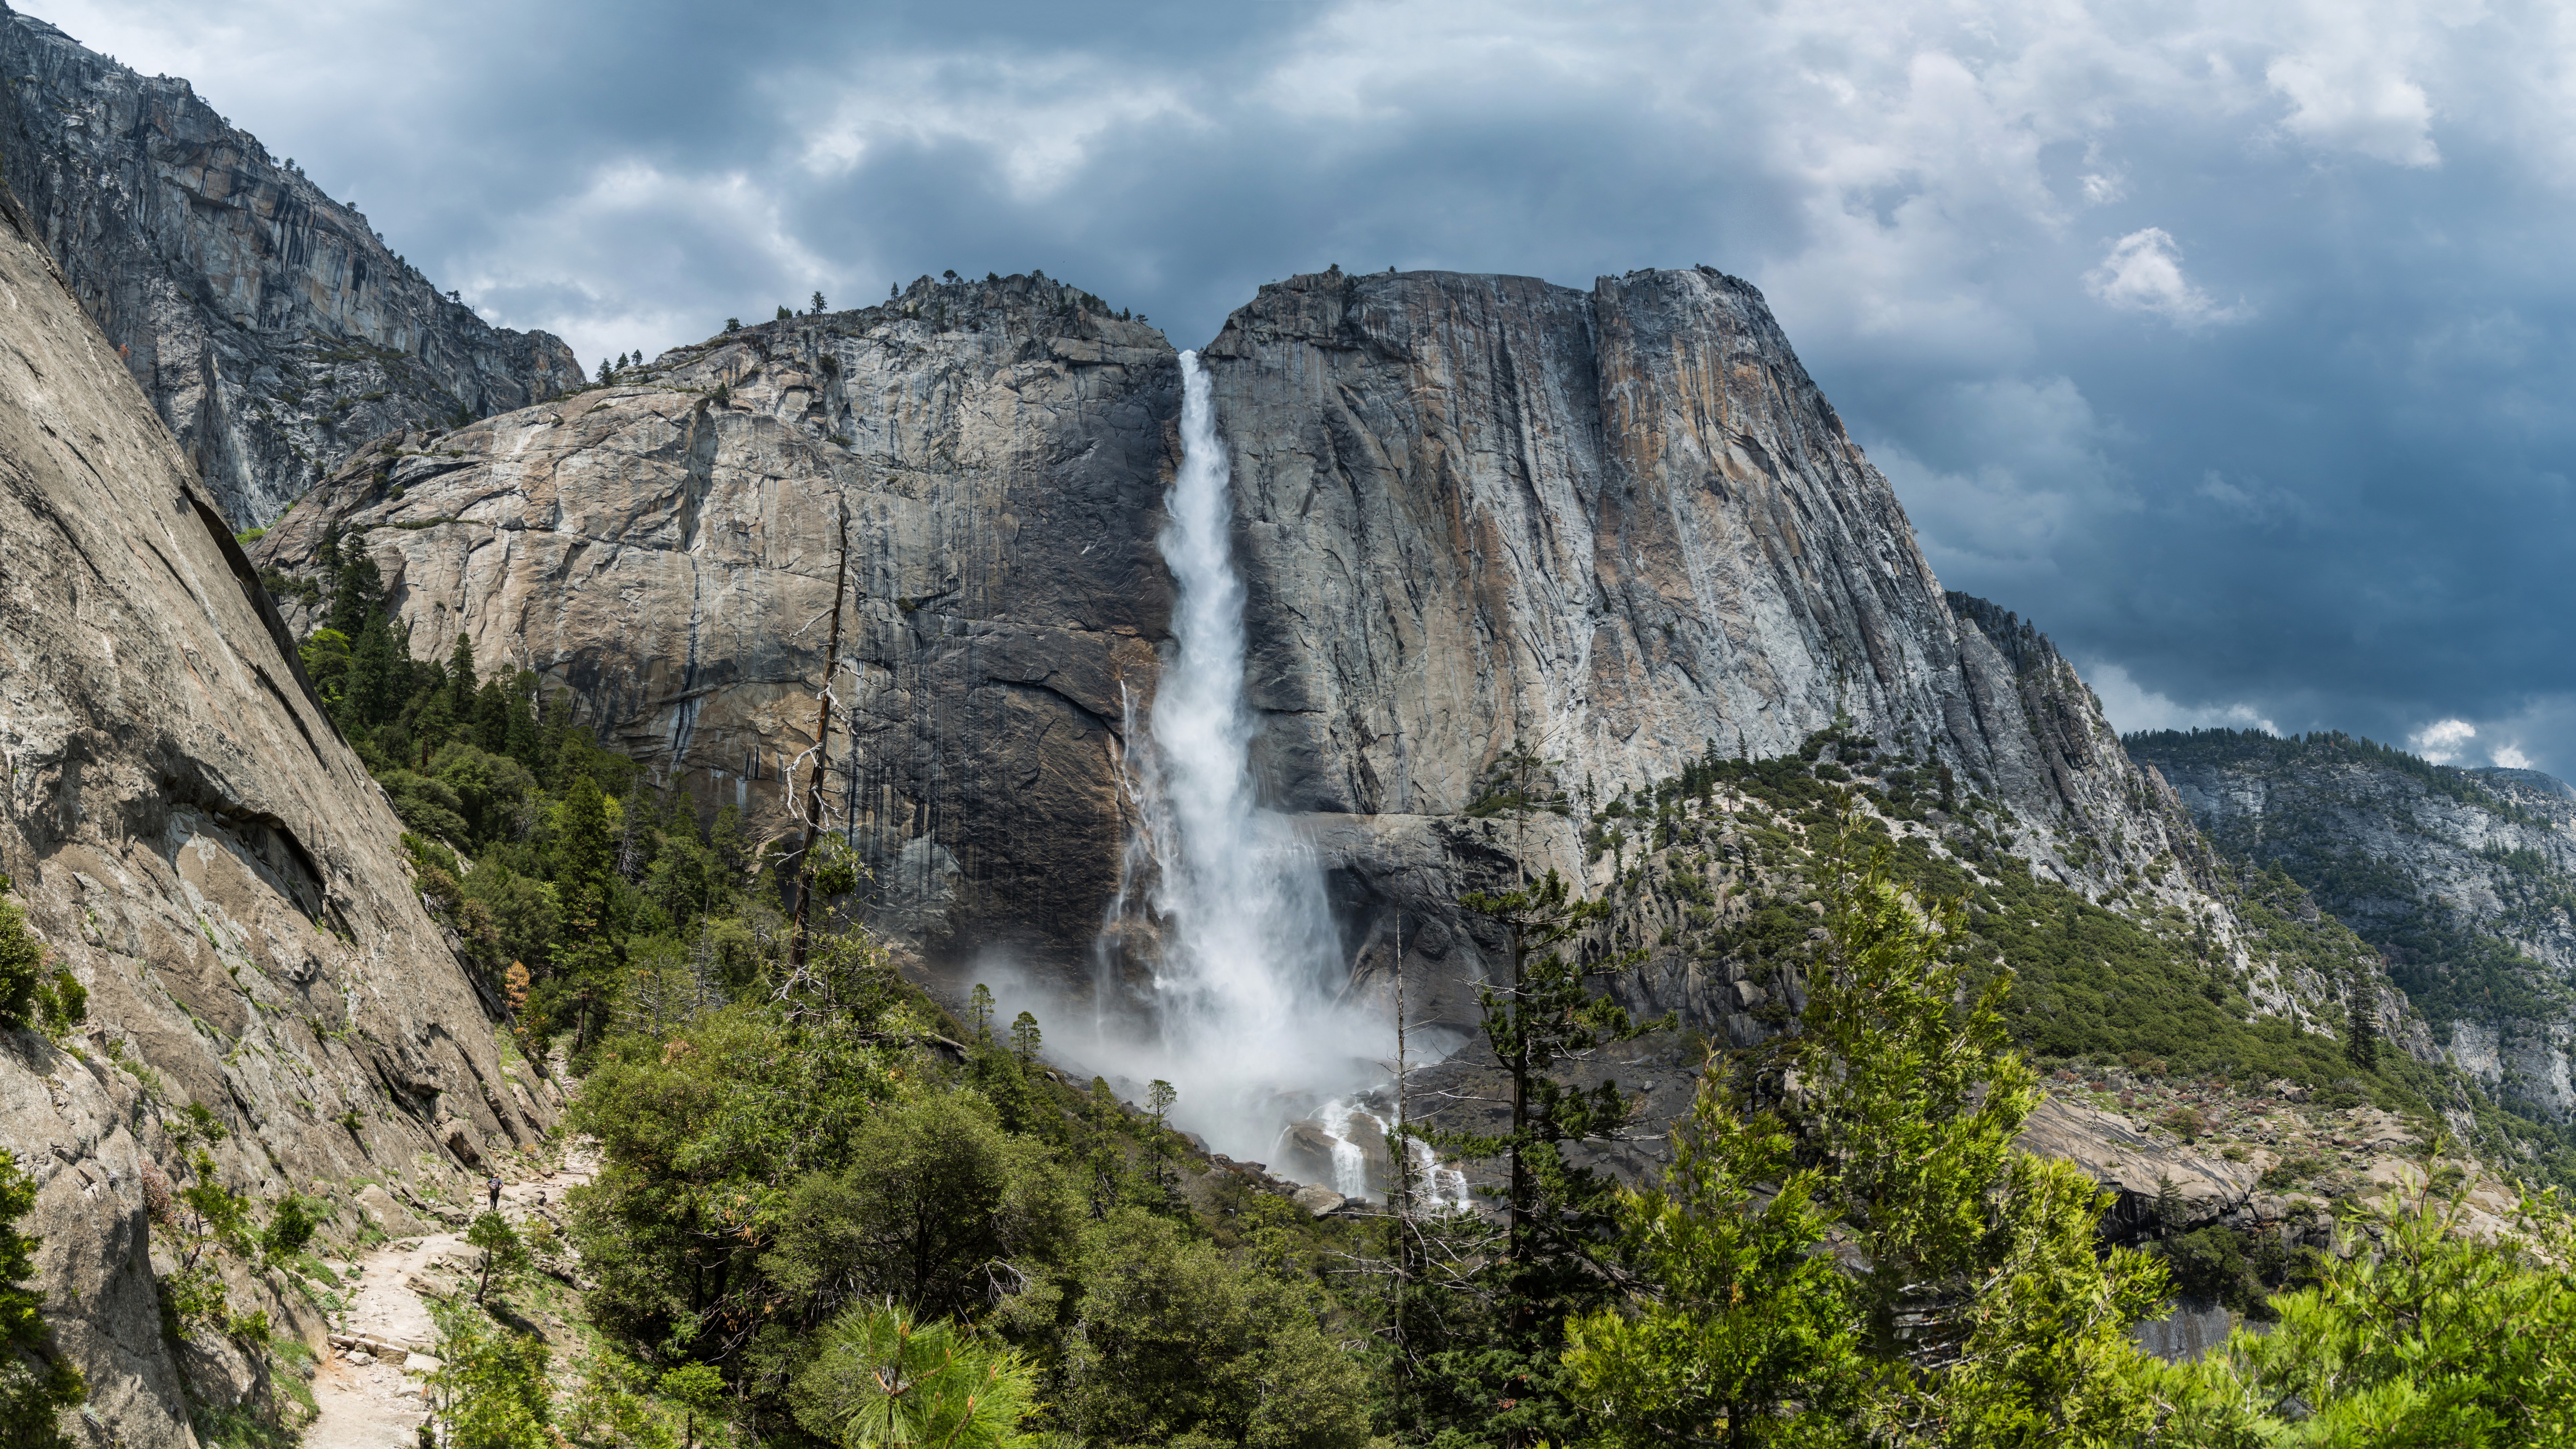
(2228,342)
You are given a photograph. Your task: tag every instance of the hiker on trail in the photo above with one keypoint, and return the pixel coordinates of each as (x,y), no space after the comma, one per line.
(495,1186)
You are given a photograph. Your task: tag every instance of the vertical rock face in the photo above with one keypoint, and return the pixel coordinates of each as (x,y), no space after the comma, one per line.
(2464,880)
(1615,528)
(664,549)
(189,838)
(271,329)
(1472,513)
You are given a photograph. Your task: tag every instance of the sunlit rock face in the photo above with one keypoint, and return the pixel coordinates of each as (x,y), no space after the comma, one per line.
(191,840)
(1471,514)
(269,326)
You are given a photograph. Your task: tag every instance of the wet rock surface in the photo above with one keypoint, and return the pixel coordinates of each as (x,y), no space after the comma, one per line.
(190,839)
(271,328)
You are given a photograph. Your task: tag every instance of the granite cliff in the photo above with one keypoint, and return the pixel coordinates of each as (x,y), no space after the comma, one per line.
(2465,880)
(269,326)
(189,838)
(1614,528)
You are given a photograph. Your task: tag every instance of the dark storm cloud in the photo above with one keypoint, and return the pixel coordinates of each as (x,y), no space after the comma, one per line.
(2228,342)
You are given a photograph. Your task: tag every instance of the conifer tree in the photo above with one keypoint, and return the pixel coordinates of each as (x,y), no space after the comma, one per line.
(2361,1040)
(36,1382)
(355,587)
(1965,1301)
(460,678)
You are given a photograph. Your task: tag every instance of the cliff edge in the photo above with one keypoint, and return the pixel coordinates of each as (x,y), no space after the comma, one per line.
(190,839)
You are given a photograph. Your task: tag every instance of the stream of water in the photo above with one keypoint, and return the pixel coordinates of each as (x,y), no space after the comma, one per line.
(1220,903)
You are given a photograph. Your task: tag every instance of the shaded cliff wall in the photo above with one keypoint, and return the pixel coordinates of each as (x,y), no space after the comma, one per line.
(2465,881)
(663,550)
(270,327)
(192,841)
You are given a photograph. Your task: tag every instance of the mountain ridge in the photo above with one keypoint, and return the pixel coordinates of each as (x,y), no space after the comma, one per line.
(271,327)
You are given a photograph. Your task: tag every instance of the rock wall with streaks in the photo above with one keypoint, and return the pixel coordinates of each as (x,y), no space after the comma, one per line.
(191,840)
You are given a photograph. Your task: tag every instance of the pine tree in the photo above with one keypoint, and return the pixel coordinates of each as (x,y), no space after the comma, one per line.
(524,743)
(818,304)
(587,956)
(1975,1308)
(36,1382)
(493,703)
(1507,1374)
(355,588)
(460,678)
(378,674)
(2361,1042)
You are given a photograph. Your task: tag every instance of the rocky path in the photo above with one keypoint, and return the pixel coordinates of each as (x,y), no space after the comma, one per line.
(368,1390)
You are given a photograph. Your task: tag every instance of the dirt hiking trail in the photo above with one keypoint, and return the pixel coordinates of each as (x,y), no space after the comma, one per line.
(368,1388)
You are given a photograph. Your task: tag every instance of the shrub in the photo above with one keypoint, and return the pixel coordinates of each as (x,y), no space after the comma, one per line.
(36,1384)
(22,963)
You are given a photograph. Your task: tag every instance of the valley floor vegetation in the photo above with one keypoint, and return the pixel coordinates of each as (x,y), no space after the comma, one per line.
(828,1213)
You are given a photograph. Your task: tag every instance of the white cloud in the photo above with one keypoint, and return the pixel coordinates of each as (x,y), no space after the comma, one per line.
(2443,741)
(2131,706)
(2356,102)
(2510,757)
(2143,273)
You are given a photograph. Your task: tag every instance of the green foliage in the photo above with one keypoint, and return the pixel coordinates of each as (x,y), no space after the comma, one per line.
(698,1389)
(62,1003)
(504,1254)
(1973,1309)
(36,1383)
(22,963)
(492,1385)
(1745,1323)
(705,1135)
(886,1379)
(937,1210)
(2428,1335)
(1173,1339)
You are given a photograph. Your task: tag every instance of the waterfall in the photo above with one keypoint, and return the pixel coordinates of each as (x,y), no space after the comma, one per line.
(1217,896)
(1437,1186)
(1248,969)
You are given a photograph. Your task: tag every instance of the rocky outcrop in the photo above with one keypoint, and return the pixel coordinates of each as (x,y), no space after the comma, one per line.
(269,326)
(663,552)
(190,839)
(2465,881)
(1616,527)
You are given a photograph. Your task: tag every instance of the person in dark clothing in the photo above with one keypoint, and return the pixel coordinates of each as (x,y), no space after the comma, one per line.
(495,1186)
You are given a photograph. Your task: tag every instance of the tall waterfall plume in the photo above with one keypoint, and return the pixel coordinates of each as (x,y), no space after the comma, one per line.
(1246,992)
